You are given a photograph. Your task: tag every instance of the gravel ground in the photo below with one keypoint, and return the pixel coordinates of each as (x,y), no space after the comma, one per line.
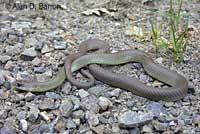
(35,42)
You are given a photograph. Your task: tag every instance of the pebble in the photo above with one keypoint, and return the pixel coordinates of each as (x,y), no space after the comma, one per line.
(47,104)
(24,125)
(39,45)
(131,119)
(33,113)
(45,116)
(147,129)
(36,61)
(82,93)
(52,95)
(29,96)
(29,54)
(104,103)
(40,69)
(160,127)
(46,49)
(196,119)
(96,90)
(92,118)
(46,128)
(90,103)
(66,88)
(9,65)
(7,130)
(70,124)
(156,108)
(77,114)
(21,115)
(66,107)
(2,78)
(169,104)
(59,45)
(4,58)
(98,129)
(115,93)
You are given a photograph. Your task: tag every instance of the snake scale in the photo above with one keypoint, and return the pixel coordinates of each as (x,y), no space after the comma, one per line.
(99,55)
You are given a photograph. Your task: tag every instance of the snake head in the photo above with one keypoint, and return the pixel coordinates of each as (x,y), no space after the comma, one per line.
(25,85)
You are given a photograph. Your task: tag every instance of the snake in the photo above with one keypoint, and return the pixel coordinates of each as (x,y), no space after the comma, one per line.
(93,52)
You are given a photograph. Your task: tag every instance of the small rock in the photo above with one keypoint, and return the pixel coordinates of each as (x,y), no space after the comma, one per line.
(29,54)
(66,108)
(46,128)
(66,88)
(60,45)
(104,103)
(46,49)
(4,94)
(4,58)
(21,115)
(36,61)
(24,125)
(160,127)
(96,90)
(191,87)
(132,119)
(157,109)
(147,129)
(115,93)
(70,124)
(3,114)
(9,65)
(60,125)
(7,130)
(159,60)
(143,78)
(76,102)
(196,119)
(45,116)
(169,104)
(52,95)
(77,114)
(92,118)
(137,66)
(2,78)
(33,113)
(29,96)
(98,129)
(39,69)
(90,103)
(47,104)
(82,93)
(39,45)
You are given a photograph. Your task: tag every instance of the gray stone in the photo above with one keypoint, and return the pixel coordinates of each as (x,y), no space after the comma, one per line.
(70,124)
(131,119)
(156,108)
(36,61)
(21,115)
(104,103)
(2,78)
(147,129)
(76,102)
(90,103)
(160,127)
(9,65)
(66,107)
(7,130)
(115,93)
(29,54)
(3,114)
(4,58)
(82,93)
(60,45)
(29,96)
(47,104)
(24,125)
(46,128)
(39,69)
(96,90)
(92,118)
(46,49)
(33,113)
(39,45)
(77,114)
(52,95)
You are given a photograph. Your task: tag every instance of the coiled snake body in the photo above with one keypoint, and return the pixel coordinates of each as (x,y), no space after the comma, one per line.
(74,62)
